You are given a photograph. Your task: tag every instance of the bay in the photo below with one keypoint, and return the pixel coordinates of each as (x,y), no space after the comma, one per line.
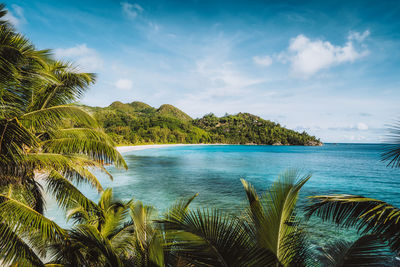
(160,176)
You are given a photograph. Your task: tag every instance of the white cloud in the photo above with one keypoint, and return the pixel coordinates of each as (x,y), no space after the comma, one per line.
(86,58)
(222,78)
(131,10)
(359,37)
(263,60)
(16,16)
(362,126)
(154,26)
(307,57)
(123,84)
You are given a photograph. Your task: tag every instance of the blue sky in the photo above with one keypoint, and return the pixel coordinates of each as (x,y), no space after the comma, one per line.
(328,67)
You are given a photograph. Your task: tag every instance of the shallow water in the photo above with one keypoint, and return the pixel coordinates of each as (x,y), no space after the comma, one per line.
(160,176)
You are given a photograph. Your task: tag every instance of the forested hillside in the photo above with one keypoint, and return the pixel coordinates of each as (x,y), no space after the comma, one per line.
(139,123)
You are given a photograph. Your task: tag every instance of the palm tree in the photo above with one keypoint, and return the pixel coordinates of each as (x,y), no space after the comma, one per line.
(268,234)
(99,237)
(274,221)
(44,139)
(110,233)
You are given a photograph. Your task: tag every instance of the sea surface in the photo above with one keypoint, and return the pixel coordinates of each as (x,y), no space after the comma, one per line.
(160,176)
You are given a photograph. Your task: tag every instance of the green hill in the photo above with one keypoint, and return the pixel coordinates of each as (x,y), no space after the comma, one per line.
(245,128)
(173,112)
(142,107)
(139,123)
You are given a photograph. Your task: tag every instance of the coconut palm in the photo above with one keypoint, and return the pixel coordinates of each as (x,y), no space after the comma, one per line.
(273,220)
(99,237)
(268,234)
(110,233)
(45,142)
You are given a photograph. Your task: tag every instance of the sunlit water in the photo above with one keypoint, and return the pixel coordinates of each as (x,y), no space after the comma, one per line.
(161,176)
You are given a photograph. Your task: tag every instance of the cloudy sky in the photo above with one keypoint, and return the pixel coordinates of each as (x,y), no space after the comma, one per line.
(331,68)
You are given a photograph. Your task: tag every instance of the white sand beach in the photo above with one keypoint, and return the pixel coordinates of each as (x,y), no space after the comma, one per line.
(123,149)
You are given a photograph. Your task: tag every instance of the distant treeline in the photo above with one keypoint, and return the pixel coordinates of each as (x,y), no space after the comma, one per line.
(139,123)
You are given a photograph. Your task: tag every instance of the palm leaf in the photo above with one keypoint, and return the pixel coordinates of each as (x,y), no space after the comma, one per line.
(368,250)
(96,150)
(14,250)
(73,167)
(24,219)
(13,138)
(366,214)
(211,238)
(83,133)
(391,153)
(31,192)
(53,116)
(66,194)
(66,86)
(272,217)
(96,244)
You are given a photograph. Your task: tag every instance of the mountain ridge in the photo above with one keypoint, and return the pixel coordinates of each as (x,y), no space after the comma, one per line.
(140,123)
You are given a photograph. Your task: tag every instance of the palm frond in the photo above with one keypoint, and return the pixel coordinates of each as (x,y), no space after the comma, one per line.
(96,244)
(78,215)
(17,55)
(32,194)
(14,250)
(114,219)
(180,207)
(391,153)
(65,193)
(52,116)
(96,150)
(67,85)
(83,133)
(211,238)
(368,250)
(366,214)
(141,218)
(272,217)
(73,167)
(122,238)
(13,139)
(24,219)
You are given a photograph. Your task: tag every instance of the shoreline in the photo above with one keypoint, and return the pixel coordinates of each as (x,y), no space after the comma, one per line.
(123,149)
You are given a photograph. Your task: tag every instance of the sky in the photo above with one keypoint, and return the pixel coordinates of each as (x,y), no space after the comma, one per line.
(331,68)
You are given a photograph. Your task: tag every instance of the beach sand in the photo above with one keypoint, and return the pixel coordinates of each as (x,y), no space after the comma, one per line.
(123,149)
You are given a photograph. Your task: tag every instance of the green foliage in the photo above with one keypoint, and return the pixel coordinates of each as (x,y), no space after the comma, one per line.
(366,214)
(367,250)
(391,154)
(138,123)
(110,233)
(173,112)
(245,128)
(273,220)
(46,143)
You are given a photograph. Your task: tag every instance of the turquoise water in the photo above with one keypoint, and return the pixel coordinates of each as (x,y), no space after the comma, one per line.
(160,176)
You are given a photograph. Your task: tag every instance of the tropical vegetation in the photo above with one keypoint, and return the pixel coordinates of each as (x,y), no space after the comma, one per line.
(139,123)
(49,146)
(46,143)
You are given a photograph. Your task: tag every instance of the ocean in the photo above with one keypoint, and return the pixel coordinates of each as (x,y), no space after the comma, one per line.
(161,176)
